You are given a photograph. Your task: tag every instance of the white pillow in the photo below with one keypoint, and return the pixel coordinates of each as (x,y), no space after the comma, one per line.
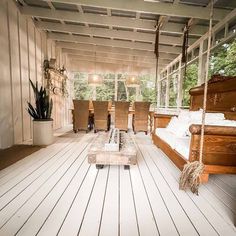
(177,127)
(184,115)
(172,124)
(231,123)
(214,117)
(195,115)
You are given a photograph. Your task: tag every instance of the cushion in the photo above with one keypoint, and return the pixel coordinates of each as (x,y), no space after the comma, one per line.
(184,115)
(182,147)
(178,127)
(166,136)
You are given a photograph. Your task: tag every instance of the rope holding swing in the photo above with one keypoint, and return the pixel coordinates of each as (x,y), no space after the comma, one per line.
(190,176)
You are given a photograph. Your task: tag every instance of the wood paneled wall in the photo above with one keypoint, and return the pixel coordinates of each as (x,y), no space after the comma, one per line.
(22,52)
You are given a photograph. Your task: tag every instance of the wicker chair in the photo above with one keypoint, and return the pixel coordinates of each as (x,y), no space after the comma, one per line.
(121,115)
(101,116)
(140,118)
(81,119)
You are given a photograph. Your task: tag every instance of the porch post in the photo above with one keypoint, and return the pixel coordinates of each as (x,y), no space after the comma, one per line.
(167,88)
(201,64)
(180,85)
(158,90)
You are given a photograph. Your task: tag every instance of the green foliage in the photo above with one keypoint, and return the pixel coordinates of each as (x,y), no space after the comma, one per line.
(81,89)
(147,88)
(173,91)
(43,105)
(223,60)
(189,82)
(106,91)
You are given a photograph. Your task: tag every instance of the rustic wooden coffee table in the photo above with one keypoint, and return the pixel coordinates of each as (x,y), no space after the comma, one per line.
(127,155)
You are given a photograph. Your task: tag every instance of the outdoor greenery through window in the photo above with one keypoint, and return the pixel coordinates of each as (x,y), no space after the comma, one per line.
(223,60)
(146,91)
(173,90)
(189,81)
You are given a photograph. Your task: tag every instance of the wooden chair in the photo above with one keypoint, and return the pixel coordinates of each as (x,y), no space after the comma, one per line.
(121,115)
(101,116)
(140,118)
(81,119)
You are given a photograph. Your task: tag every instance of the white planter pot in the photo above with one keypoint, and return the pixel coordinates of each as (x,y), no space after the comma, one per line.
(42,132)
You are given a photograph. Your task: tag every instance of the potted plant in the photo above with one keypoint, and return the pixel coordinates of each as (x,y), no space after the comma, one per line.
(41,113)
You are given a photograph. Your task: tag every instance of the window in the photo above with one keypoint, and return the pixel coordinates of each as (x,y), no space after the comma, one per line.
(189,82)
(163,93)
(173,90)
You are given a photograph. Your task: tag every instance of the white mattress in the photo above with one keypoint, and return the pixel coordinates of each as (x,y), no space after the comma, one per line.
(167,136)
(181,145)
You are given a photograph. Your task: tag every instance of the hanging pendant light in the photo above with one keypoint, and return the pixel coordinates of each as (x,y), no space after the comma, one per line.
(95,79)
(132,81)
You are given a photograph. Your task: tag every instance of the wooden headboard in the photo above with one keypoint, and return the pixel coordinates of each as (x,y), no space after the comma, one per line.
(221,96)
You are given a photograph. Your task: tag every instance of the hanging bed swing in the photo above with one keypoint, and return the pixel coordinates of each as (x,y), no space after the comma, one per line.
(201,142)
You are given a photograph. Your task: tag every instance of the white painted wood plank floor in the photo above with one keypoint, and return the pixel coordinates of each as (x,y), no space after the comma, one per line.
(56,192)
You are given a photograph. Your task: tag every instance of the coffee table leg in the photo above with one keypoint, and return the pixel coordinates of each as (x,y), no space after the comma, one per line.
(126,167)
(99,166)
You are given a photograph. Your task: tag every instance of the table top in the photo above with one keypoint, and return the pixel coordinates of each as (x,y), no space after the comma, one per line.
(127,146)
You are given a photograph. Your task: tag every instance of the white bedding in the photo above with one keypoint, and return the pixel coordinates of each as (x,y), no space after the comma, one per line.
(167,136)
(181,145)
(177,133)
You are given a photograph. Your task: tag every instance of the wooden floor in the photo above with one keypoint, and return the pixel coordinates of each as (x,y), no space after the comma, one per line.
(56,192)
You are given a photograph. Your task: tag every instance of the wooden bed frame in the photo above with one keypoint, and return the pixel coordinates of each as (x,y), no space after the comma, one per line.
(219,154)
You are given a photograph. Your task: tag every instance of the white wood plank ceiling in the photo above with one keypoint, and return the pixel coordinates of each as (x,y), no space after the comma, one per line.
(122,32)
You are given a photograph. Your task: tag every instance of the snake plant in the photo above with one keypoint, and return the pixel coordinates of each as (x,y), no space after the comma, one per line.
(43,104)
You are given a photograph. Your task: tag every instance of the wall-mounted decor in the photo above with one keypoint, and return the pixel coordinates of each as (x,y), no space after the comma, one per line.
(56,79)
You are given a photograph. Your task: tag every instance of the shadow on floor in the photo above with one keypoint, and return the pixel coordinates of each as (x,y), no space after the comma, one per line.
(15,153)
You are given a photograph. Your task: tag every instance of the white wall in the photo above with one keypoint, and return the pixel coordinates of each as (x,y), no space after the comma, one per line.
(23,50)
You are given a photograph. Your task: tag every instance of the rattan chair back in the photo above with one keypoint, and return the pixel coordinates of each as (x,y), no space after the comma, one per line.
(140,119)
(121,115)
(100,115)
(81,114)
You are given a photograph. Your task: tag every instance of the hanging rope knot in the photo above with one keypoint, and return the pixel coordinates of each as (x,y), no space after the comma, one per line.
(190,176)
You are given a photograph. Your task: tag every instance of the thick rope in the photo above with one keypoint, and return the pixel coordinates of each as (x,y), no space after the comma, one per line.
(190,176)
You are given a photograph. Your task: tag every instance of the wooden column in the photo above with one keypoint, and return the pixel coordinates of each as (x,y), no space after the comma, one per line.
(201,64)
(167,88)
(158,90)
(180,86)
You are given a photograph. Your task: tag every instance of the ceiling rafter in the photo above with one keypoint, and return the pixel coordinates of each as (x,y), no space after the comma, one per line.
(109,33)
(160,8)
(128,58)
(89,18)
(110,60)
(112,43)
(108,66)
(113,50)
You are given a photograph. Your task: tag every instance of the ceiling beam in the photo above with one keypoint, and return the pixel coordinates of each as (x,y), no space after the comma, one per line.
(88,18)
(115,56)
(129,57)
(112,43)
(112,61)
(114,50)
(110,33)
(102,67)
(159,8)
